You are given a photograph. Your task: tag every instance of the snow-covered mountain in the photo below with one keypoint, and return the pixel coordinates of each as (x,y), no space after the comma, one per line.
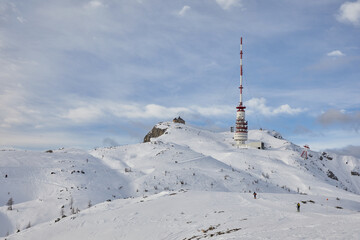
(188,183)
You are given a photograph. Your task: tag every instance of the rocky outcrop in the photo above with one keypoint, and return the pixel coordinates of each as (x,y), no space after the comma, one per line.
(154,133)
(331,175)
(326,155)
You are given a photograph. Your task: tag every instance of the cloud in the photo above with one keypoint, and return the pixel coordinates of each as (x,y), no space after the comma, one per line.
(214,110)
(302,130)
(143,63)
(335,53)
(258,105)
(13,108)
(227,4)
(84,114)
(340,117)
(333,62)
(109,142)
(20,19)
(184,10)
(136,111)
(349,12)
(349,150)
(95,4)
(37,140)
(102,110)
(329,139)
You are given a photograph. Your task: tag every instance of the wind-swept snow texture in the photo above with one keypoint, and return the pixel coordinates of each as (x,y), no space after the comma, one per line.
(188,183)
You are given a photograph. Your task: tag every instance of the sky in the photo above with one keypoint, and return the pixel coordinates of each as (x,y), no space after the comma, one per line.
(94,73)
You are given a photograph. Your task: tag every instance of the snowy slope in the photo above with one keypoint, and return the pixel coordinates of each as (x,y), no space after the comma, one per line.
(41,183)
(187,168)
(208,215)
(279,164)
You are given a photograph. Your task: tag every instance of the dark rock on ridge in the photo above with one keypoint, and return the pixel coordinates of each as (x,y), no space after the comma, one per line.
(154,133)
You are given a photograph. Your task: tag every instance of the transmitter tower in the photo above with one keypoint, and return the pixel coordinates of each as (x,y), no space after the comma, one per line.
(241,131)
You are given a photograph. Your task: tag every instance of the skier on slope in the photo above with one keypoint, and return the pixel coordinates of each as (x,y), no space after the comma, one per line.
(254,195)
(298,207)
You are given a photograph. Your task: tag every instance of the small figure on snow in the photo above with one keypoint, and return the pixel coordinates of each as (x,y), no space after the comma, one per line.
(298,207)
(254,195)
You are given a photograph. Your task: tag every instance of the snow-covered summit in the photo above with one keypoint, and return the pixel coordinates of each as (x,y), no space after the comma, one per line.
(279,156)
(183,160)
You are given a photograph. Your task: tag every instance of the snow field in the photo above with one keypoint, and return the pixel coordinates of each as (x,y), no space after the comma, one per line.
(184,215)
(189,183)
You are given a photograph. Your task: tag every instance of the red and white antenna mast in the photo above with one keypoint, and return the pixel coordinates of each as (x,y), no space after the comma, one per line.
(241,132)
(241,72)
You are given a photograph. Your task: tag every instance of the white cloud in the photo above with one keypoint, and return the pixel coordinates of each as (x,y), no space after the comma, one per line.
(258,105)
(95,4)
(136,111)
(102,110)
(37,140)
(184,10)
(226,4)
(214,110)
(13,109)
(349,12)
(286,109)
(98,51)
(336,53)
(20,19)
(84,114)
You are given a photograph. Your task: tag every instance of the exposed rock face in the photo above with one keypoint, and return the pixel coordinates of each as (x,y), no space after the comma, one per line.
(331,175)
(154,133)
(327,156)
